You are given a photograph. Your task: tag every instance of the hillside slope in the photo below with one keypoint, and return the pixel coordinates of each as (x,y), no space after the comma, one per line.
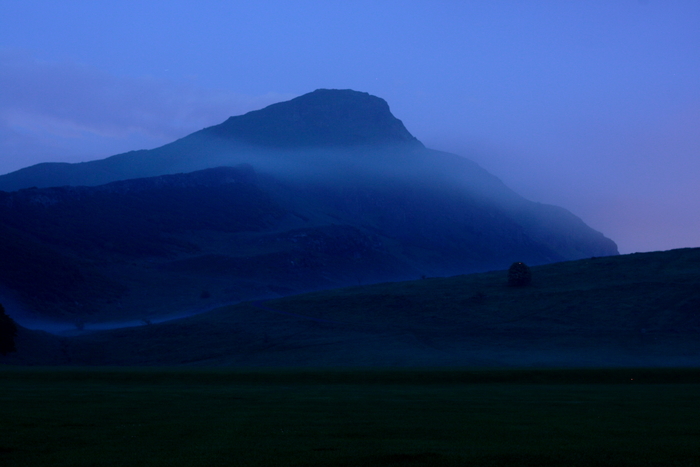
(145,248)
(326,190)
(279,135)
(631,310)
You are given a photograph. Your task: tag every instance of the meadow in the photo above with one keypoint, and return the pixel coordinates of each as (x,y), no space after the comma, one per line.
(347,417)
(638,310)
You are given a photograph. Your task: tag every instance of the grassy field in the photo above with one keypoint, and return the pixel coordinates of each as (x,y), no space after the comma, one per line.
(154,417)
(640,310)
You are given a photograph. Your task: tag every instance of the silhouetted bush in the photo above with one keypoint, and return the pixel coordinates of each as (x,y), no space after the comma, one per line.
(8,332)
(519,275)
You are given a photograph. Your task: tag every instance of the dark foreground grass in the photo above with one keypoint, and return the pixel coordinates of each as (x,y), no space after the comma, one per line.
(160,417)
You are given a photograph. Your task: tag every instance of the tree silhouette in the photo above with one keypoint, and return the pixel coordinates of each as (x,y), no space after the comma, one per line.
(519,275)
(8,332)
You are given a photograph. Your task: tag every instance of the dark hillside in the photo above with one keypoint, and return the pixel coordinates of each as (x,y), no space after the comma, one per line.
(135,217)
(631,310)
(145,248)
(323,191)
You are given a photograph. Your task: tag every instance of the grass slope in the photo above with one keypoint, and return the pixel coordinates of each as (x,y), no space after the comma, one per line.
(632,310)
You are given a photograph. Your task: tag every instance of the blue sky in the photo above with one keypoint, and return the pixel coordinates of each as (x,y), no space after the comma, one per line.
(590,105)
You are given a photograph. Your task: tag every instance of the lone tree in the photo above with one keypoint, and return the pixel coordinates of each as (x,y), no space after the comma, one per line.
(8,332)
(519,275)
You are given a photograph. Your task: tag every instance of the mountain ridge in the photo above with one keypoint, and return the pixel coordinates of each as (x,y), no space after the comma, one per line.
(216,216)
(323,117)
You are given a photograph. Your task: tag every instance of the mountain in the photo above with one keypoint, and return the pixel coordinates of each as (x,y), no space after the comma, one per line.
(325,118)
(632,310)
(323,191)
(143,248)
(321,118)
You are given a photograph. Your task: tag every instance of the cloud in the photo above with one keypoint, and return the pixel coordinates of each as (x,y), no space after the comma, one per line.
(57,110)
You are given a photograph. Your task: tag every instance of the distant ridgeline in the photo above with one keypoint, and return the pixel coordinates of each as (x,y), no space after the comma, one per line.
(329,119)
(326,190)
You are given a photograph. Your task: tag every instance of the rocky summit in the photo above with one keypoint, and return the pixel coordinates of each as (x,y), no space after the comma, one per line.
(325,117)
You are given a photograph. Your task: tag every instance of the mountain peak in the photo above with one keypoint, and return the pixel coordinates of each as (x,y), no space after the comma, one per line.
(325,117)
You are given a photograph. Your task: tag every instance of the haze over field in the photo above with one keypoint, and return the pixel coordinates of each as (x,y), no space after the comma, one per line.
(593,106)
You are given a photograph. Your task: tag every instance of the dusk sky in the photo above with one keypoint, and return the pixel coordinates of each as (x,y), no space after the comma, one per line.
(590,105)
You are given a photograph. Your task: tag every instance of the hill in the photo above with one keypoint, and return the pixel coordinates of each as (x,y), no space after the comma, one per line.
(145,248)
(324,191)
(276,137)
(632,310)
